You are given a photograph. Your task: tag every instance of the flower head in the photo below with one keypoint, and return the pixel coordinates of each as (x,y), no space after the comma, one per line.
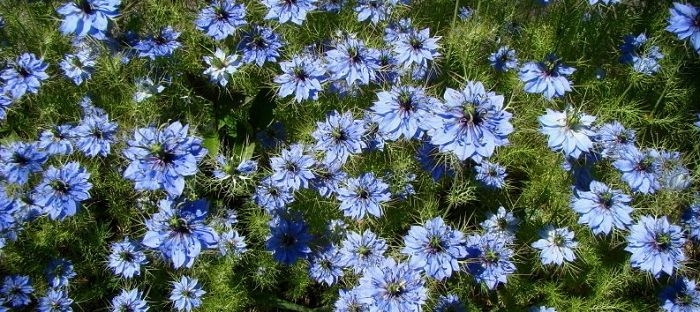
(55,301)
(79,66)
(656,245)
(289,239)
(602,208)
(548,77)
(683,22)
(94,135)
(416,48)
(62,190)
(19,160)
(640,169)
(88,17)
(292,168)
(339,137)
(435,248)
(178,231)
(302,76)
(360,251)
(374,10)
(57,141)
(352,61)
(24,75)
(126,258)
(489,259)
(129,300)
(259,45)
(221,66)
(568,131)
(490,174)
(402,112)
(393,286)
(615,139)
(59,272)
(16,289)
(163,44)
(272,196)
(681,296)
(326,266)
(186,294)
(556,245)
(220,19)
(286,10)
(363,195)
(503,59)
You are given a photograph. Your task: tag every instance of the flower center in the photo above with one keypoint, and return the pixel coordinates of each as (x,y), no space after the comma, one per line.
(663,241)
(491,256)
(606,200)
(354,54)
(288,240)
(363,194)
(126,256)
(405,101)
(338,135)
(435,245)
(558,240)
(364,251)
(59,186)
(395,289)
(86,7)
(470,115)
(179,225)
(300,74)
(221,14)
(20,159)
(160,153)
(645,164)
(415,43)
(24,72)
(258,41)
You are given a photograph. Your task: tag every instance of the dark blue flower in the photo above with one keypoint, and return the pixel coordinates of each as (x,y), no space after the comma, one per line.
(489,259)
(57,141)
(79,66)
(339,137)
(362,196)
(556,245)
(503,59)
(59,272)
(302,76)
(55,301)
(465,12)
(656,245)
(94,135)
(449,303)
(129,300)
(416,48)
(643,60)
(602,208)
(19,160)
(24,75)
(490,174)
(178,231)
(581,168)
(393,287)
(548,77)
(16,290)
(272,136)
(88,17)
(272,196)
(568,131)
(186,294)
(162,45)
(640,169)
(326,265)
(691,220)
(289,239)
(220,19)
(360,251)
(292,168)
(328,178)
(681,296)
(162,158)
(285,10)
(435,248)
(374,10)
(471,123)
(349,301)
(62,190)
(352,61)
(431,161)
(683,22)
(126,258)
(403,112)
(259,45)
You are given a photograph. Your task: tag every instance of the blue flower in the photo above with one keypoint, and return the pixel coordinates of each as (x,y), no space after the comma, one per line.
(645,62)
(57,141)
(614,139)
(272,196)
(79,66)
(24,75)
(328,178)
(602,208)
(349,301)
(556,245)
(684,23)
(360,251)
(656,246)
(465,12)
(62,190)
(293,167)
(55,301)
(435,248)
(393,287)
(681,296)
(339,137)
(431,161)
(362,196)
(374,10)
(326,266)
(59,272)
(145,88)
(221,66)
(395,30)
(220,19)
(691,220)
(502,223)
(272,136)
(548,77)
(178,231)
(162,45)
(19,160)
(302,76)
(581,168)
(232,242)
(88,17)
(332,6)
(126,258)
(449,303)
(186,294)
(16,290)
(673,175)
(162,158)
(403,112)
(489,259)
(94,135)
(129,300)
(352,61)
(388,71)
(542,309)
(640,169)
(471,123)
(490,174)
(289,239)
(568,131)
(259,45)
(284,11)
(6,100)
(416,48)
(504,59)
